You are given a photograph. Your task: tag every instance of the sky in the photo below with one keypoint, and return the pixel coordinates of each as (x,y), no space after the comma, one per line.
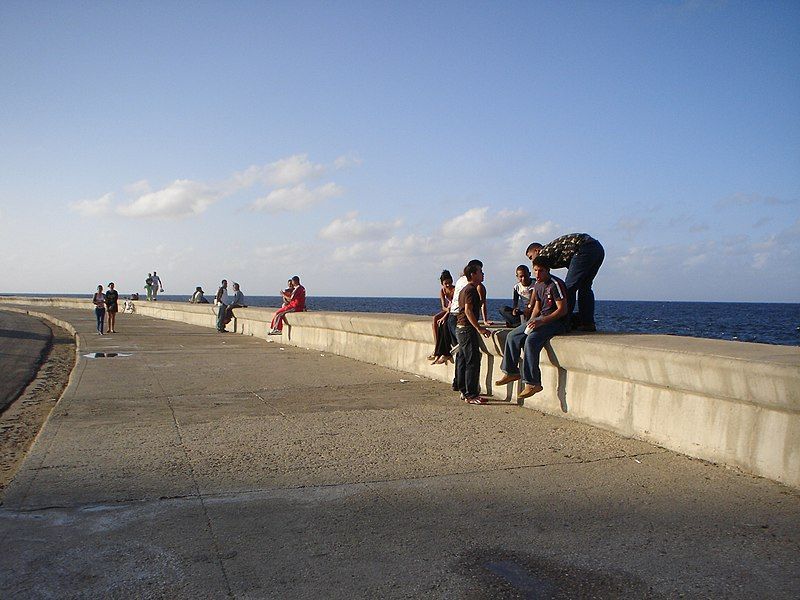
(366,146)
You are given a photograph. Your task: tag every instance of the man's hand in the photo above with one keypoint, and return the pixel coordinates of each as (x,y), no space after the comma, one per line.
(485,332)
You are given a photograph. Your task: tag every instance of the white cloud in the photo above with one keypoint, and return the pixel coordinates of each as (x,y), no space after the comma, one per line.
(347,160)
(93,208)
(182,198)
(350,228)
(630,226)
(281,173)
(138,188)
(742,199)
(477,222)
(296,198)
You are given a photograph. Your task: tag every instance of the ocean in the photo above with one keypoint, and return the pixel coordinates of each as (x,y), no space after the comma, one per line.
(767,323)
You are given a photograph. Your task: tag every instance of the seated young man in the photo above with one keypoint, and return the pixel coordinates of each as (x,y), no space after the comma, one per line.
(522,293)
(547,318)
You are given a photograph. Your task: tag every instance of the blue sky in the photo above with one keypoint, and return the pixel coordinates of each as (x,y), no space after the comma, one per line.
(367,145)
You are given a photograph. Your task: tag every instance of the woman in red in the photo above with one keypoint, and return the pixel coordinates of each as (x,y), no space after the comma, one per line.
(297,303)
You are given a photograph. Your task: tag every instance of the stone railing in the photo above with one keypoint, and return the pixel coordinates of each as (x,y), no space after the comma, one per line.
(728,402)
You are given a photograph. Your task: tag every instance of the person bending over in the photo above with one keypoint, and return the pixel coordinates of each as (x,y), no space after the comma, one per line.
(522,294)
(297,303)
(582,255)
(547,318)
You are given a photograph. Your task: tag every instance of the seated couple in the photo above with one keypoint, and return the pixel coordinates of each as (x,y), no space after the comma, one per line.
(294,300)
(548,313)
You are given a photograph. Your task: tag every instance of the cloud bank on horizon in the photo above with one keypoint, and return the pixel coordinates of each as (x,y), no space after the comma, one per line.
(426,136)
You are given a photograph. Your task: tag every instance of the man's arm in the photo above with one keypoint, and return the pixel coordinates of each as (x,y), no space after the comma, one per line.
(482,295)
(553,316)
(473,321)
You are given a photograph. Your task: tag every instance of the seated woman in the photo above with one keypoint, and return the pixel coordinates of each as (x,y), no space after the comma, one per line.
(286,295)
(442,342)
(297,303)
(198,297)
(522,291)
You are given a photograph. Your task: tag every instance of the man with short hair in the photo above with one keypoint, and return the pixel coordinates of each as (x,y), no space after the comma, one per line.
(547,318)
(237,301)
(221,300)
(468,359)
(582,255)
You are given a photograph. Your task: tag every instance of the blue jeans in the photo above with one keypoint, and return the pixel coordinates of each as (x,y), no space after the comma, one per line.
(468,361)
(221,317)
(511,319)
(533,347)
(100,313)
(581,273)
(513,349)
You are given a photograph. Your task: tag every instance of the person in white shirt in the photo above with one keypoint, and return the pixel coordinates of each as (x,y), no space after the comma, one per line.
(522,292)
(157,287)
(221,301)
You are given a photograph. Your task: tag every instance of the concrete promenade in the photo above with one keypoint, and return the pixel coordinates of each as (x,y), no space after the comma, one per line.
(206,465)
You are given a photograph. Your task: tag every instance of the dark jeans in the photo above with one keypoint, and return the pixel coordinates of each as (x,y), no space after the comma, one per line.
(582,270)
(100,313)
(512,320)
(221,309)
(533,347)
(468,361)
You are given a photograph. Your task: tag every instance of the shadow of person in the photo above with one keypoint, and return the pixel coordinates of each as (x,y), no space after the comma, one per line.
(561,388)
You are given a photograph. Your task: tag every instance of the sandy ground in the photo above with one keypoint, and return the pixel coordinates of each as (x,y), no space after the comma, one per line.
(22,420)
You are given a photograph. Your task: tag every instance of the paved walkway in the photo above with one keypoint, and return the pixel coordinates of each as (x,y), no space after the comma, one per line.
(22,341)
(221,466)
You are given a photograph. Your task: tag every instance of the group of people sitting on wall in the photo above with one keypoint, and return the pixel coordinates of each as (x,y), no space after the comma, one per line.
(543,307)
(293,300)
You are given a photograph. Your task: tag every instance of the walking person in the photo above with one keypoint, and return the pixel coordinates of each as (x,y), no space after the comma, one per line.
(221,300)
(582,255)
(468,330)
(99,301)
(157,286)
(148,286)
(112,307)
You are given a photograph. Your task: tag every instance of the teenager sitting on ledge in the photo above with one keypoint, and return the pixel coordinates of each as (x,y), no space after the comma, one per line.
(297,303)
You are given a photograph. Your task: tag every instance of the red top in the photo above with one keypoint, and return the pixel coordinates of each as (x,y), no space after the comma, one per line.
(298,301)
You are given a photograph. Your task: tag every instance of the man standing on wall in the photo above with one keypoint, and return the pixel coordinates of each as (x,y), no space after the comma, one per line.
(582,255)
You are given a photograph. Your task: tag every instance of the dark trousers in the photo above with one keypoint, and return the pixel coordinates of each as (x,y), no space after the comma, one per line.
(444,343)
(582,270)
(221,309)
(100,314)
(512,320)
(468,361)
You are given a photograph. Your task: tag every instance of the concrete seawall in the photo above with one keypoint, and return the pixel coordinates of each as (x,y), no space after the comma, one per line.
(732,403)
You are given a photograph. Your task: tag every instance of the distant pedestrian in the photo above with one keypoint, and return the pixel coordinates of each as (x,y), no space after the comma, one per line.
(297,303)
(157,286)
(198,296)
(221,302)
(148,286)
(582,255)
(112,307)
(99,301)
(236,301)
